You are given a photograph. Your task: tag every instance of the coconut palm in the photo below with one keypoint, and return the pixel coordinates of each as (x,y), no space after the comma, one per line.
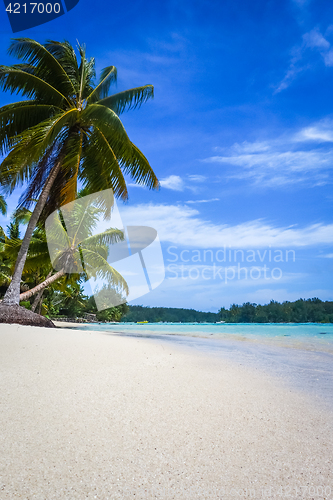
(67,130)
(3,205)
(78,251)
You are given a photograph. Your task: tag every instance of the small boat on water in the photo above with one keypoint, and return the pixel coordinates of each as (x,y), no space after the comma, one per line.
(141,322)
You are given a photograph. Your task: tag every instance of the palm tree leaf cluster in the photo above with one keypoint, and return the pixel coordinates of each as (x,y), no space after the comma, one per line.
(65,133)
(66,116)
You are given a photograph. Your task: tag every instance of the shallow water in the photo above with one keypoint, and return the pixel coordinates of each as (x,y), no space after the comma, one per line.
(307,336)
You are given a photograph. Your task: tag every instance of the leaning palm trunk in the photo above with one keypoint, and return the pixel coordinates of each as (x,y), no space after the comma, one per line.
(12,296)
(37,301)
(41,286)
(39,297)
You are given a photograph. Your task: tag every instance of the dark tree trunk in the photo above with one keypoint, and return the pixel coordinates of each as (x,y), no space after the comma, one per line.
(40,288)
(22,316)
(37,302)
(39,298)
(12,296)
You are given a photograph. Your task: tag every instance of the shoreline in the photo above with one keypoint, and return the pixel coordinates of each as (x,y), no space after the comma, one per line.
(73,322)
(96,415)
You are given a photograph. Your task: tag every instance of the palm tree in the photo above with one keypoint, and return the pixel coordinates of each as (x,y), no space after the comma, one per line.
(77,251)
(67,130)
(3,205)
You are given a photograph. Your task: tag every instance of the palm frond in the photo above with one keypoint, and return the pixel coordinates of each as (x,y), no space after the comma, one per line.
(21,215)
(65,54)
(19,116)
(128,99)
(46,64)
(100,168)
(3,205)
(94,114)
(108,237)
(140,170)
(33,143)
(35,175)
(16,80)
(98,267)
(107,78)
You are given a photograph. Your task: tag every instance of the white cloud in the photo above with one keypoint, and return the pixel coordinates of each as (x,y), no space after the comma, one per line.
(173,182)
(292,158)
(319,132)
(194,202)
(279,164)
(315,41)
(289,77)
(176,183)
(197,178)
(328,58)
(183,226)
(276,168)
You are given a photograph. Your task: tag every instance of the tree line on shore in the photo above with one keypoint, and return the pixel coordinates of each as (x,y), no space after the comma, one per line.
(168,315)
(300,311)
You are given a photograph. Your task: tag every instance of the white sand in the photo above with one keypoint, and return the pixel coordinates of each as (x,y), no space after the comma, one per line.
(67,324)
(90,415)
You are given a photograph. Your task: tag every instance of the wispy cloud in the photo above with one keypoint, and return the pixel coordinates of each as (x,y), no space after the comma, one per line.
(173,182)
(321,131)
(311,41)
(202,201)
(183,226)
(197,178)
(302,157)
(177,183)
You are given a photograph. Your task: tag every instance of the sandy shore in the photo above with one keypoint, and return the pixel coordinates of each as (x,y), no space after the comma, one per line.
(67,324)
(91,415)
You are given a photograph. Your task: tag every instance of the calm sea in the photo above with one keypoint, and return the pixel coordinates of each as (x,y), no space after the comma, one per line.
(307,336)
(299,355)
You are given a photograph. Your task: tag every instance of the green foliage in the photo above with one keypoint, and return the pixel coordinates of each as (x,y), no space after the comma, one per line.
(66,117)
(65,130)
(26,304)
(168,314)
(72,303)
(300,311)
(3,205)
(112,314)
(13,230)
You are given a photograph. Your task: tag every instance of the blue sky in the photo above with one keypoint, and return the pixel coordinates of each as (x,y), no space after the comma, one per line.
(240,134)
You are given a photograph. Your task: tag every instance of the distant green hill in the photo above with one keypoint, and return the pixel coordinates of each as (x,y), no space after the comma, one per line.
(168,314)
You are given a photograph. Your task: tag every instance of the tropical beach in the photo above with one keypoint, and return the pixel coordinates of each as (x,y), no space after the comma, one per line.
(166,235)
(87,414)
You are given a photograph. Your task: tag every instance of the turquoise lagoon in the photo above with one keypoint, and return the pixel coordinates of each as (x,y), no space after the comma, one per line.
(306,336)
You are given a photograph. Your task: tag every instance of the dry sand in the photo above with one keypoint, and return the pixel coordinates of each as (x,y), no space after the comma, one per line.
(89,415)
